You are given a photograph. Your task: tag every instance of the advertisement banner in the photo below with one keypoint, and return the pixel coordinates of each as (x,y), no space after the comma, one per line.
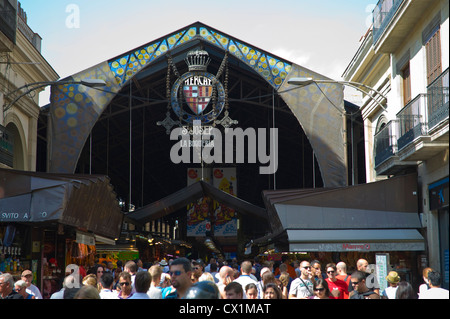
(225,218)
(198,220)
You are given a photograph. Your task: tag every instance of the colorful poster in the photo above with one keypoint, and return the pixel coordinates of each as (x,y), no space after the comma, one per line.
(225,218)
(198,219)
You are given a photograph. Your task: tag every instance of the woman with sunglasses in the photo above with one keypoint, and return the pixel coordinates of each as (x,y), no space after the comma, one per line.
(20,287)
(338,288)
(321,290)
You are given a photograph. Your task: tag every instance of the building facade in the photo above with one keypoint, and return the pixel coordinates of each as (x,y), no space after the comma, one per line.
(405,57)
(21,63)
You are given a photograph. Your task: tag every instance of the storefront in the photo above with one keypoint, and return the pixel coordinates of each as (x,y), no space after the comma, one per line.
(438,197)
(201,242)
(48,221)
(378,222)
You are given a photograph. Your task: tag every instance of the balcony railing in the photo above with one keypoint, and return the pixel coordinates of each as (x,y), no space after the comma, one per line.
(437,93)
(382,15)
(385,142)
(412,121)
(34,38)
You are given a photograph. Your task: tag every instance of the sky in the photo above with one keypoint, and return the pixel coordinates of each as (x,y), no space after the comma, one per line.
(321,35)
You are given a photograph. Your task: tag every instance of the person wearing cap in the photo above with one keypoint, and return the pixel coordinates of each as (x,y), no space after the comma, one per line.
(163,263)
(27,276)
(393,279)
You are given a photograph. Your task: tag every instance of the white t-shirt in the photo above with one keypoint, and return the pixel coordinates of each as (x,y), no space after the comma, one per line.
(154,293)
(301,289)
(33,290)
(390,292)
(244,280)
(108,294)
(434,293)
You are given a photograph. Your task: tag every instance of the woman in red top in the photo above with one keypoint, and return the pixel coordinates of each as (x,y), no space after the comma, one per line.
(337,287)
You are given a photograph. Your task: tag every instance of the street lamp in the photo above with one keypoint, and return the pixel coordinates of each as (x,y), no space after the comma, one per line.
(92,83)
(356,85)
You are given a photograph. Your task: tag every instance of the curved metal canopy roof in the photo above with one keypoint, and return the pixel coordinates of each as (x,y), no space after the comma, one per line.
(74,108)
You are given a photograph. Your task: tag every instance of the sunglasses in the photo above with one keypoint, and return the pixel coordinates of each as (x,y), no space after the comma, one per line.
(176,273)
(355,283)
(319,289)
(124,283)
(330,272)
(308,267)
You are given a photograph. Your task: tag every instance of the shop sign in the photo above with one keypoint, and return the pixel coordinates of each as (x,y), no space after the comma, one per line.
(15,209)
(85,239)
(355,247)
(438,194)
(382,267)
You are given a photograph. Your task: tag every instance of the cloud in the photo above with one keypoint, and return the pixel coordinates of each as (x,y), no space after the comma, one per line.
(295,56)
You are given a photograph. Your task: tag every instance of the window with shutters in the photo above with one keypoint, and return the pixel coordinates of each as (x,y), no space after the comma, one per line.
(433,51)
(406,75)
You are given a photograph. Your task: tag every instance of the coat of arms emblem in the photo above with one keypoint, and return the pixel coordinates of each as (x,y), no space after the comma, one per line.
(197,95)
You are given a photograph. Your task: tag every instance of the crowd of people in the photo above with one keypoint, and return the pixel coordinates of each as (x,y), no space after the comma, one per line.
(182,278)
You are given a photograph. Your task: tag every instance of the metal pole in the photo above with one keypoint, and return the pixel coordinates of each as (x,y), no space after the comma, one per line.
(90,153)
(314,170)
(273,139)
(129,190)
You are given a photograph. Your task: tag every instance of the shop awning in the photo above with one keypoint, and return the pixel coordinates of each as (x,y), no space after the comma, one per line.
(86,202)
(187,195)
(379,216)
(340,240)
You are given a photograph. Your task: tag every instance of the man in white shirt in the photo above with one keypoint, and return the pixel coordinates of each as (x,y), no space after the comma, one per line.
(244,279)
(155,290)
(106,284)
(435,291)
(131,268)
(302,287)
(27,276)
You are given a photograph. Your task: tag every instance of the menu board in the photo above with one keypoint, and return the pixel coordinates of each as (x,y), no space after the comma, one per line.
(382,264)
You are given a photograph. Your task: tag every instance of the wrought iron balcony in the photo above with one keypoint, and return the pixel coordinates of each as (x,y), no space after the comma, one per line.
(412,121)
(422,126)
(437,93)
(382,15)
(385,142)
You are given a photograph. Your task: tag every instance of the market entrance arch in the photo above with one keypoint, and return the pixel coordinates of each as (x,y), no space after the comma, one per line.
(113,131)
